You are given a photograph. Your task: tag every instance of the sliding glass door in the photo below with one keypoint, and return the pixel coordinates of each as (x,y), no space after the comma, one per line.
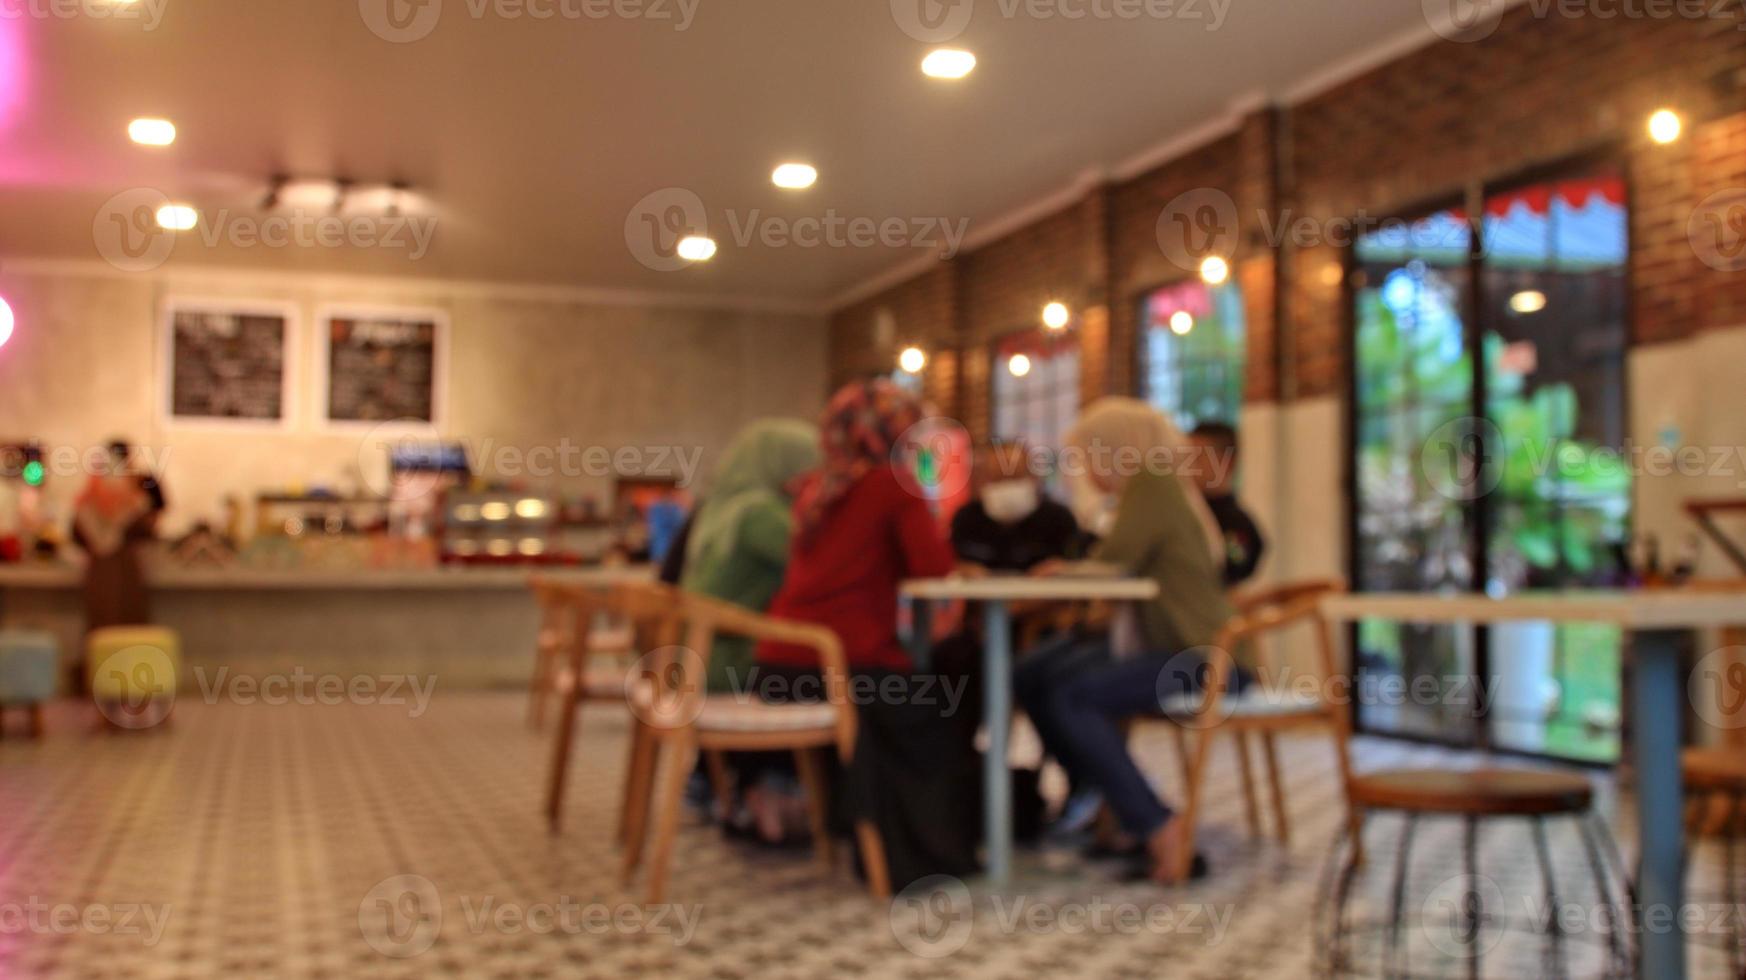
(1488,420)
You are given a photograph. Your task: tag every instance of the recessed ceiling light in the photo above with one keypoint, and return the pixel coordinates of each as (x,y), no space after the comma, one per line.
(912,360)
(948,63)
(1019,365)
(1056,315)
(1181,322)
(177,217)
(1214,270)
(794,176)
(1528,301)
(147,131)
(1664,126)
(696,248)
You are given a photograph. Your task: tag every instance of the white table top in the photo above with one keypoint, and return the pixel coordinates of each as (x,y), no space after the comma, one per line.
(439,578)
(1013,587)
(1653,609)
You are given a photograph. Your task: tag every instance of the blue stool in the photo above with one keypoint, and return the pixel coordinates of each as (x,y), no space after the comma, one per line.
(29,661)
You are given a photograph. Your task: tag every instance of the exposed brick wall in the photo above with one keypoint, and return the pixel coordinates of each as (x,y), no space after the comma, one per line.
(1137,262)
(1536,90)
(1427,127)
(918,311)
(1719,150)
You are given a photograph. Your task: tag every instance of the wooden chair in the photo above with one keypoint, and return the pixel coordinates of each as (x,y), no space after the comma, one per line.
(1274,703)
(558,625)
(604,676)
(674,713)
(1353,940)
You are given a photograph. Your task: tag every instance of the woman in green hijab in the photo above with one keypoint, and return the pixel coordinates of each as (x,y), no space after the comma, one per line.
(738,549)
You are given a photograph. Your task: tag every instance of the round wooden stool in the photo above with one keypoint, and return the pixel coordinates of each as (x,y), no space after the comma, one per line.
(1447,922)
(1715,809)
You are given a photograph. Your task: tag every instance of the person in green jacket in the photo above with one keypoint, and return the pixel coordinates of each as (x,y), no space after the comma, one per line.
(1078,690)
(738,547)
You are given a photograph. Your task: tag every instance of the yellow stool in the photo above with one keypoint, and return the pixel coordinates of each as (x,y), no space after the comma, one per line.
(133,671)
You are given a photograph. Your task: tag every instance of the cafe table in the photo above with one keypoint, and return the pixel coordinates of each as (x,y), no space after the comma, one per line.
(994,593)
(1658,624)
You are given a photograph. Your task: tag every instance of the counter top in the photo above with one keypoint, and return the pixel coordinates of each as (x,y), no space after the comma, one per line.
(440,578)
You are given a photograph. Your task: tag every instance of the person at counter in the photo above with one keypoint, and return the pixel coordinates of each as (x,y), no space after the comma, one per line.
(114,515)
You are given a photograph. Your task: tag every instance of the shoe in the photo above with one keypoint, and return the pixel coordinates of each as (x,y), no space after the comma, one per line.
(1077,815)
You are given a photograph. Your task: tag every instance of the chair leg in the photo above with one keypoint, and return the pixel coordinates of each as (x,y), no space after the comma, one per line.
(722,782)
(1281,816)
(1182,756)
(568,708)
(642,747)
(1196,772)
(671,801)
(1251,809)
(538,687)
(812,777)
(640,797)
(1343,757)
(873,860)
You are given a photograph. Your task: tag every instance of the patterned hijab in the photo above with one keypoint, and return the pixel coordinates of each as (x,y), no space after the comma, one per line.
(859,430)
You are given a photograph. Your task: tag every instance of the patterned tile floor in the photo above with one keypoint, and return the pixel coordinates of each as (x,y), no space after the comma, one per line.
(352,840)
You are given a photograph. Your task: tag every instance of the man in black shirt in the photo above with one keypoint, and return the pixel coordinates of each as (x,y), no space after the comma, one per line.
(1011,525)
(1214,470)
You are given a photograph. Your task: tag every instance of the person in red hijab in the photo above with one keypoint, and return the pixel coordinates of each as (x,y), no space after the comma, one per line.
(863,524)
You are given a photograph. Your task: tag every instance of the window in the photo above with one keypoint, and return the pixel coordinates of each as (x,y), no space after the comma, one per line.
(1191,344)
(1035,388)
(1488,408)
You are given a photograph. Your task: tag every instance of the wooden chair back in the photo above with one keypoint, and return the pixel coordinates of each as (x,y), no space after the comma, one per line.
(1260,613)
(678,671)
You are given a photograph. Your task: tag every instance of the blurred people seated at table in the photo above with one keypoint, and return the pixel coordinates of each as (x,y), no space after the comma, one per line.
(862,526)
(1215,470)
(1011,524)
(1077,690)
(736,548)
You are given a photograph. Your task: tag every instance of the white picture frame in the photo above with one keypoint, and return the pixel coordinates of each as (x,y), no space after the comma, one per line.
(174,306)
(439,387)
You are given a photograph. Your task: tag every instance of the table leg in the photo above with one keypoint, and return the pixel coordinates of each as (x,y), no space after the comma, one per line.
(921,633)
(1658,702)
(997,715)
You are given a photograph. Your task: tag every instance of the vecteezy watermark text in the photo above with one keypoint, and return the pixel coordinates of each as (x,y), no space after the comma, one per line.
(936,916)
(1476,20)
(128,235)
(403,916)
(404,21)
(149,13)
(939,21)
(34,916)
(303,687)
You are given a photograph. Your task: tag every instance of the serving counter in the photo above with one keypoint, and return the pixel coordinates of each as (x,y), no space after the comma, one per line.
(470,627)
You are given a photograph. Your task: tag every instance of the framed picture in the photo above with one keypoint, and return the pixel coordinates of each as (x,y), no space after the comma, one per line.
(383,365)
(227,362)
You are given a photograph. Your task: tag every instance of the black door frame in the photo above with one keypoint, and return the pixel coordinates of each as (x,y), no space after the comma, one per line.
(1476,517)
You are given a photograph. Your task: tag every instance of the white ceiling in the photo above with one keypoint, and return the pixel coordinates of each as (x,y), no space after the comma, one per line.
(532,140)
